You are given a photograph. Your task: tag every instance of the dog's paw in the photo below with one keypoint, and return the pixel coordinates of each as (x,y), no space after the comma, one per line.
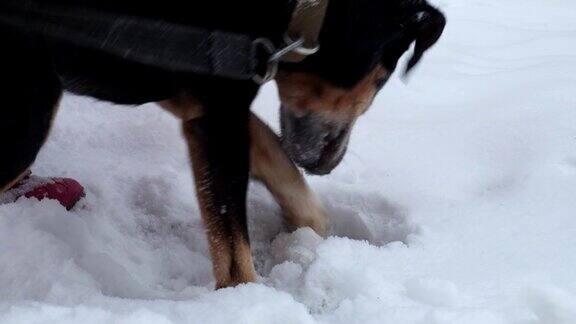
(310,213)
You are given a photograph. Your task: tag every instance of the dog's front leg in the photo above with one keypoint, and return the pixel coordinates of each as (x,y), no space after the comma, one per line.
(270,164)
(216,129)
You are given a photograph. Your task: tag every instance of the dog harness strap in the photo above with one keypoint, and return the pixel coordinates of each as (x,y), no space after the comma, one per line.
(307,22)
(151,42)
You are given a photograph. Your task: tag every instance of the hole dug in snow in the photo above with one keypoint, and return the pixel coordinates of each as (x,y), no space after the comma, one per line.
(366,216)
(324,273)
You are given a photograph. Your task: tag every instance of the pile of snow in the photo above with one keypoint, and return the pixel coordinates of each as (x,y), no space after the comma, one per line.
(455,204)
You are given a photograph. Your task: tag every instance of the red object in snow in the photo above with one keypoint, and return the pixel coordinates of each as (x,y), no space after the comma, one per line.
(67,191)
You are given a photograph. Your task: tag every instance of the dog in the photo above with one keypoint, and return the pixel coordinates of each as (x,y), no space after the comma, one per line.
(322,96)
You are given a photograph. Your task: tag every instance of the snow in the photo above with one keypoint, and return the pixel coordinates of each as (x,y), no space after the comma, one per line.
(455,204)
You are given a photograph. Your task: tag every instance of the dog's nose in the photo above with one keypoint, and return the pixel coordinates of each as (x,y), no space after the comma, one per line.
(312,141)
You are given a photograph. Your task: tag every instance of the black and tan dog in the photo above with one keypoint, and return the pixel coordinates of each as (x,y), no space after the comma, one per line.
(361,42)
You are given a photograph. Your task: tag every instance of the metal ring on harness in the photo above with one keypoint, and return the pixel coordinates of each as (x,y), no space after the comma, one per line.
(271,66)
(276,55)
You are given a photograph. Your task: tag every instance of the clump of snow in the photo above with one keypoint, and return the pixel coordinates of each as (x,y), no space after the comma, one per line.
(455,203)
(298,247)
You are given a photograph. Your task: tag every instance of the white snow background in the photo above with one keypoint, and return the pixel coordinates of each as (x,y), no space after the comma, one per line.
(455,204)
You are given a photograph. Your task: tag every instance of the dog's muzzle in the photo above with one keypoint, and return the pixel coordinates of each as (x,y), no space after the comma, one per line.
(314,142)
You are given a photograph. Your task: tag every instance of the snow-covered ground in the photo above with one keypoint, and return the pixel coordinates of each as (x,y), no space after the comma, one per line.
(456,202)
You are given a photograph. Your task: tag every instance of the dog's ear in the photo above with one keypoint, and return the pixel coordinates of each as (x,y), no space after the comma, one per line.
(425,27)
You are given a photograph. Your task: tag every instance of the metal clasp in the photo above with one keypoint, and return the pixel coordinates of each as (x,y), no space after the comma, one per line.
(276,55)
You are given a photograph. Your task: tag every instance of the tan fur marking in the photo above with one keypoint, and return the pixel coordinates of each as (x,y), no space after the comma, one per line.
(310,93)
(184,107)
(231,256)
(271,165)
(243,269)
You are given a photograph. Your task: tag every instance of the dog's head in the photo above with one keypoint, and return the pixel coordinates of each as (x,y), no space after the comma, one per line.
(323,96)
